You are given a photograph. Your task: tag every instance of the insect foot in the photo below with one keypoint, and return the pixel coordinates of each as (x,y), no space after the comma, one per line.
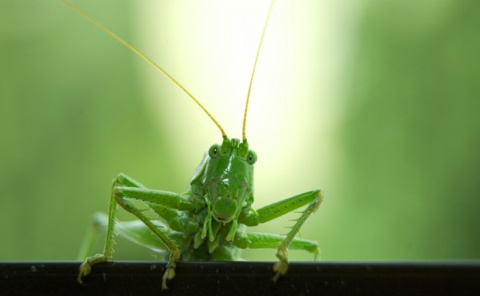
(169,274)
(86,267)
(281,266)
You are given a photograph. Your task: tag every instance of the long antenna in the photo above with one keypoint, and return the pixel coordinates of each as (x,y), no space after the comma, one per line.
(244,126)
(143,56)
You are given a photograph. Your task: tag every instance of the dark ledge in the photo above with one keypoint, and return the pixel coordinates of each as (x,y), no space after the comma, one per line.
(242,278)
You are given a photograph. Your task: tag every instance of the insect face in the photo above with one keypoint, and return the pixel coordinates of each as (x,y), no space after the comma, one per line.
(229,178)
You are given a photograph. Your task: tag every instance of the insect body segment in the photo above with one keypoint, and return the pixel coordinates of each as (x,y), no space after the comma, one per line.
(208,221)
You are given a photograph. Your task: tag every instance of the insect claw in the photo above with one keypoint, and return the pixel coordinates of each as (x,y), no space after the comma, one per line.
(169,274)
(281,266)
(85,270)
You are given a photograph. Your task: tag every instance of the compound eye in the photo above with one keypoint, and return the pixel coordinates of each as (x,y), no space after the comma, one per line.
(251,157)
(214,151)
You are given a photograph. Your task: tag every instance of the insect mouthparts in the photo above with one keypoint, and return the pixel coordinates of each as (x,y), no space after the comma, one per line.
(224,209)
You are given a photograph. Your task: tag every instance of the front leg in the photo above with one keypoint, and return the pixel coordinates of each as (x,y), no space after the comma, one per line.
(313,198)
(281,267)
(122,195)
(123,190)
(86,267)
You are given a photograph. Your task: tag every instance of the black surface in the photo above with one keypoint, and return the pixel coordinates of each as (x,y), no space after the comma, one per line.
(242,278)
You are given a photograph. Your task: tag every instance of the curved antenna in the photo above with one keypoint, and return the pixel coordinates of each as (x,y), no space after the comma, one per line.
(244,126)
(144,57)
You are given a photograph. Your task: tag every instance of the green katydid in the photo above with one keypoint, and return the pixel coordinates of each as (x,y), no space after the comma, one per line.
(208,221)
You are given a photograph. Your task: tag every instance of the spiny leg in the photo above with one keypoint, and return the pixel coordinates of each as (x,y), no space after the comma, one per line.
(281,266)
(170,244)
(313,198)
(86,267)
(155,199)
(124,189)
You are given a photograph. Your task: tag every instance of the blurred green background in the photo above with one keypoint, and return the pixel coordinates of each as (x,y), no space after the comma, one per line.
(375,102)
